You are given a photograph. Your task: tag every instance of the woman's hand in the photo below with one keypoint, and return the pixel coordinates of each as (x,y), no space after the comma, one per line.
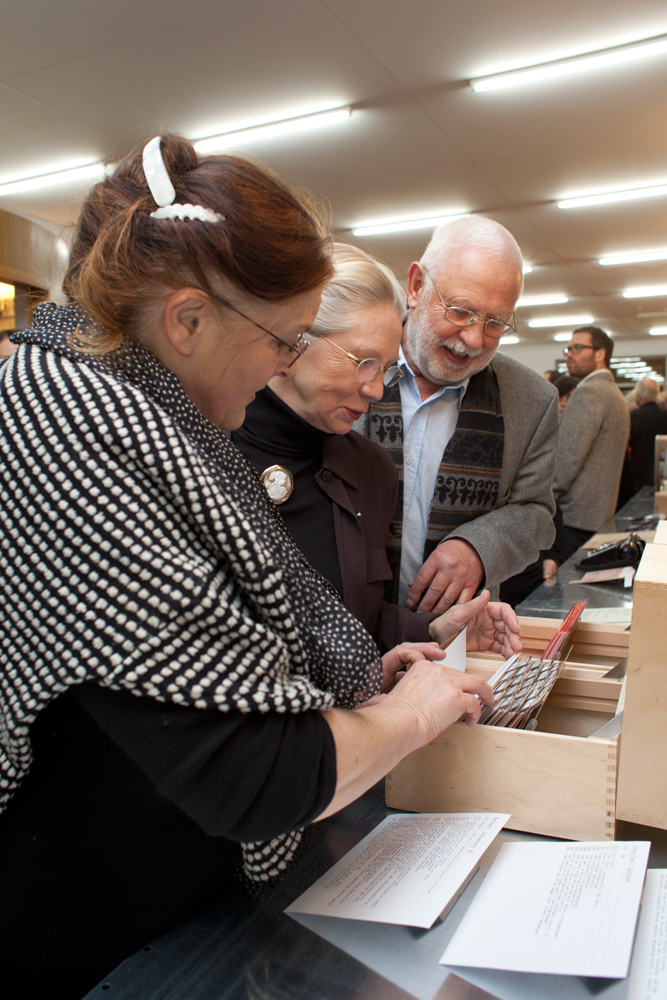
(375,737)
(440,695)
(491,627)
(403,656)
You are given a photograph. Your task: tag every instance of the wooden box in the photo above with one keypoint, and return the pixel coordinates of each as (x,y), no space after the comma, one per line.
(660,502)
(642,784)
(556,781)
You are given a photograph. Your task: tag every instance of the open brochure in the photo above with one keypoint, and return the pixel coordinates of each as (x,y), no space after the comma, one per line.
(406,871)
(559,908)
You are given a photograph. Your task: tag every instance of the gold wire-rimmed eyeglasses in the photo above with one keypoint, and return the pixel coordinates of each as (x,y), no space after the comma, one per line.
(492,327)
(368,368)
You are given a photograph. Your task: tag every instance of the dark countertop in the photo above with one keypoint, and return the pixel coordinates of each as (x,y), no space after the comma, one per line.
(555,597)
(239,948)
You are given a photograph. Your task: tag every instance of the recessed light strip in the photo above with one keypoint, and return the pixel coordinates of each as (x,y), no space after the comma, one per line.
(561,321)
(644,291)
(541,300)
(267,130)
(658,331)
(573,64)
(633,258)
(403,225)
(606,197)
(86,171)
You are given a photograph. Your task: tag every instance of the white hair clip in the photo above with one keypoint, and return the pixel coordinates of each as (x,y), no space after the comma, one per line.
(187,212)
(163,190)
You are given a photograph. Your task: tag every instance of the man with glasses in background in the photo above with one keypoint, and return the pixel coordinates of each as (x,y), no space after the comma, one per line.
(474,433)
(594,433)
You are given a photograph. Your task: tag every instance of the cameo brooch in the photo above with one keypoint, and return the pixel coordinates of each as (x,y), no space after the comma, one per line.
(278,483)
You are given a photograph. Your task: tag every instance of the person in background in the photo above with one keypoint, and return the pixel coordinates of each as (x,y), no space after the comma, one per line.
(342,488)
(565,385)
(6,346)
(647,420)
(593,439)
(552,376)
(473,433)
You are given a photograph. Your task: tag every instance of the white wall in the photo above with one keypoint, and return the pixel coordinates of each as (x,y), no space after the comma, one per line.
(542,357)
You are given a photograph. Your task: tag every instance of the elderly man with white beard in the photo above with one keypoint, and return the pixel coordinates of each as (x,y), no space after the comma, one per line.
(474,433)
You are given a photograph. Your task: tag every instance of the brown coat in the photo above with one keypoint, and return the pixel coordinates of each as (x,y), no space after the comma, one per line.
(361,481)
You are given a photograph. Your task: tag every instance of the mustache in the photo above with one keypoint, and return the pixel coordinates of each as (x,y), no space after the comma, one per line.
(457,346)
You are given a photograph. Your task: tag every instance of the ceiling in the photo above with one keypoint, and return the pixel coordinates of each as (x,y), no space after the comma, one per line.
(82,80)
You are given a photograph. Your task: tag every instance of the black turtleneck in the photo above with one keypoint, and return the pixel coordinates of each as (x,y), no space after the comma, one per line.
(273,434)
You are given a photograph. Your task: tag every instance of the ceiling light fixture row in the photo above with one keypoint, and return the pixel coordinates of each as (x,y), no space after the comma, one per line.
(206,145)
(403,225)
(572,64)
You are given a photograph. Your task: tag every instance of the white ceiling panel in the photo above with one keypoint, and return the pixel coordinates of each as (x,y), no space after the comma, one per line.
(263,62)
(82,80)
(39,33)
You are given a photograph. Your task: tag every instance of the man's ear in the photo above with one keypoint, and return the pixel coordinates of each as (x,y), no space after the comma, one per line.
(416,278)
(185,312)
(601,357)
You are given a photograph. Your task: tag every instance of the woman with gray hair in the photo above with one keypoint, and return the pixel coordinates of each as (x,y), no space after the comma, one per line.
(340,489)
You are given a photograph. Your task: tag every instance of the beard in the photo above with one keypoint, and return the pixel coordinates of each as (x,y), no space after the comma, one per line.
(424,346)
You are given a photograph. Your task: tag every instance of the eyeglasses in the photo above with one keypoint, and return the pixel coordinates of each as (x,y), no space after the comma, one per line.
(577,348)
(298,348)
(369,368)
(492,327)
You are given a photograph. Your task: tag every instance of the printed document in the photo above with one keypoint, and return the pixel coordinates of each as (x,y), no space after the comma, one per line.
(648,972)
(405,871)
(563,909)
(608,616)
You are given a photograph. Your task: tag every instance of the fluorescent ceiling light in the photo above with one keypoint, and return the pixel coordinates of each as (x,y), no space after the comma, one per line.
(562,336)
(87,172)
(541,300)
(623,361)
(509,340)
(573,64)
(633,258)
(644,291)
(561,321)
(658,331)
(403,225)
(527,268)
(606,197)
(7,291)
(660,312)
(267,130)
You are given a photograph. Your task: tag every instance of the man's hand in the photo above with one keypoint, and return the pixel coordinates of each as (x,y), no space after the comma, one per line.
(492,627)
(453,572)
(549,568)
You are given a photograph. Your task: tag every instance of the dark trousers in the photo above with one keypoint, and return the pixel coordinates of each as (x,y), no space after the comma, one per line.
(567,541)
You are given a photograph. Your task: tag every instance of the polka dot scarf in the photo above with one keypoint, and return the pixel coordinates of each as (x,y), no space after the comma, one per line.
(139,551)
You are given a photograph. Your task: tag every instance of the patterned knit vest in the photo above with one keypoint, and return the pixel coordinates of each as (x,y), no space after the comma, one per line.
(469,475)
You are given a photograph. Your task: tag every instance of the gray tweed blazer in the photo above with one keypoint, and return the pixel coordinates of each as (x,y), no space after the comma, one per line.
(594,436)
(509,538)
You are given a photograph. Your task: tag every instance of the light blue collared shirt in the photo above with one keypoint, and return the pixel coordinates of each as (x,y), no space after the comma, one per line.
(427,428)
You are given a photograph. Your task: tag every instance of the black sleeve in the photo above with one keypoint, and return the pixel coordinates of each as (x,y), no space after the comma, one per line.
(242,776)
